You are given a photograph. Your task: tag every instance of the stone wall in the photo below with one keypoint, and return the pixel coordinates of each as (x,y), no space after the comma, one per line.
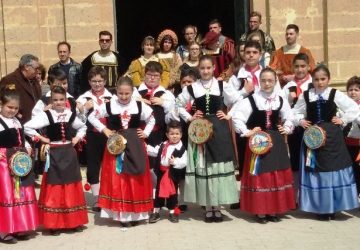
(36,26)
(338,44)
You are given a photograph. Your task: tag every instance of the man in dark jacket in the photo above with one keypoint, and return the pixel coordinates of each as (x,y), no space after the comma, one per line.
(111,61)
(71,68)
(23,78)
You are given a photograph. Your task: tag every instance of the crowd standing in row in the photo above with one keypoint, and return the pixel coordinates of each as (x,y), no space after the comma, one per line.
(240,90)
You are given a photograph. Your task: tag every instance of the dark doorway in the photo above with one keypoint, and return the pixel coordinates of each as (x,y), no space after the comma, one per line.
(137,19)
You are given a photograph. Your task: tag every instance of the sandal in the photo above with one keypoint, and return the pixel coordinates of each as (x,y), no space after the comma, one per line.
(8,239)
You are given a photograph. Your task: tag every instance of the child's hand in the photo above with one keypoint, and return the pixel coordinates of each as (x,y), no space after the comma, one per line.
(75,140)
(198,114)
(44,139)
(28,150)
(141,133)
(253,131)
(337,121)
(143,100)
(305,123)
(248,85)
(107,132)
(48,107)
(156,101)
(222,116)
(89,104)
(282,130)
(172,160)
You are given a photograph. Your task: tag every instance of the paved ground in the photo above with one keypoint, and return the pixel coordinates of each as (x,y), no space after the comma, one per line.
(297,230)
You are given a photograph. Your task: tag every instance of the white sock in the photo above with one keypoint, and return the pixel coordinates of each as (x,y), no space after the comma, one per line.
(95,189)
(156,209)
(172,211)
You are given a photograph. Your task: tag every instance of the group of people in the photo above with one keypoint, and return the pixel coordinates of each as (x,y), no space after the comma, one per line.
(147,110)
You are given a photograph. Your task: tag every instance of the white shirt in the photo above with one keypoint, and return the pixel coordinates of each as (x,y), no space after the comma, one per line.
(12,123)
(242,110)
(345,104)
(40,105)
(164,161)
(41,120)
(304,86)
(125,110)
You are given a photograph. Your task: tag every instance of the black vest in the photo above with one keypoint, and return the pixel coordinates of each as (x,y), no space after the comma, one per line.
(9,136)
(53,131)
(89,126)
(114,121)
(328,108)
(159,113)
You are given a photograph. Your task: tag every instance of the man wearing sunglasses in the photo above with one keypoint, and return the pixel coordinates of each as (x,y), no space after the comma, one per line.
(111,61)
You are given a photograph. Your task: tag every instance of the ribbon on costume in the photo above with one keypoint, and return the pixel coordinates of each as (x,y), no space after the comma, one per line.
(309,158)
(254,164)
(47,159)
(199,155)
(167,186)
(119,163)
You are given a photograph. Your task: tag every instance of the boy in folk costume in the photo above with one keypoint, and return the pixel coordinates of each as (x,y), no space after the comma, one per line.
(267,183)
(95,140)
(327,183)
(62,202)
(125,186)
(18,205)
(352,130)
(171,159)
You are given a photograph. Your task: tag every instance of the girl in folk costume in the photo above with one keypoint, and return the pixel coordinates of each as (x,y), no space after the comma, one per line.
(187,77)
(61,203)
(136,69)
(95,140)
(171,159)
(210,179)
(169,59)
(327,183)
(267,183)
(125,185)
(18,206)
(352,129)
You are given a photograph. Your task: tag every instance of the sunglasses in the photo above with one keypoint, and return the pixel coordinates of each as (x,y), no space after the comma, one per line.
(104,40)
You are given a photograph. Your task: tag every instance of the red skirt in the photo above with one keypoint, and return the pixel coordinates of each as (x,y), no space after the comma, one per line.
(62,206)
(124,192)
(267,193)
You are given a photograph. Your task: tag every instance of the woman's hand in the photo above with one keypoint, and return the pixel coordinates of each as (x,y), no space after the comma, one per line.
(252,132)
(305,123)
(141,133)
(197,114)
(337,121)
(222,116)
(107,132)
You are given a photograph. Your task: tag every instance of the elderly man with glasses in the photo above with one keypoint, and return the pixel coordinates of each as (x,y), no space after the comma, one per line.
(23,80)
(111,61)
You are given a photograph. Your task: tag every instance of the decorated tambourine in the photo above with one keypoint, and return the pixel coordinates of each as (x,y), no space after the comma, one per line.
(314,137)
(20,164)
(200,130)
(43,151)
(260,143)
(116,144)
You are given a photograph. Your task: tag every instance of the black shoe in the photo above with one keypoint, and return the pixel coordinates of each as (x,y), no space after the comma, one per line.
(96,209)
(173,218)
(217,216)
(8,239)
(183,208)
(323,217)
(154,217)
(235,206)
(54,232)
(126,224)
(22,237)
(332,216)
(209,217)
(78,229)
(261,220)
(272,218)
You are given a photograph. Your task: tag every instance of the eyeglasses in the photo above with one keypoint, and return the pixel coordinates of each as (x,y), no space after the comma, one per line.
(104,40)
(95,81)
(153,76)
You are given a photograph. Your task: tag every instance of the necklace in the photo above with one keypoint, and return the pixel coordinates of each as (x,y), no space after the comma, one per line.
(207,96)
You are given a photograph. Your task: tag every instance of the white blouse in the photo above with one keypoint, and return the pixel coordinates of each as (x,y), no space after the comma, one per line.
(345,104)
(242,110)
(168,97)
(41,120)
(125,110)
(179,162)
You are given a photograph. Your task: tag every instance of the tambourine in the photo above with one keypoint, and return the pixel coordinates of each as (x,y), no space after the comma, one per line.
(200,130)
(314,137)
(20,164)
(116,144)
(260,143)
(43,151)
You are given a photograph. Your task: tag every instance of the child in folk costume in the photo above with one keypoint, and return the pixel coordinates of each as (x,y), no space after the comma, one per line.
(210,179)
(187,77)
(267,183)
(95,140)
(18,205)
(171,159)
(352,129)
(327,183)
(125,185)
(61,203)
(160,100)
